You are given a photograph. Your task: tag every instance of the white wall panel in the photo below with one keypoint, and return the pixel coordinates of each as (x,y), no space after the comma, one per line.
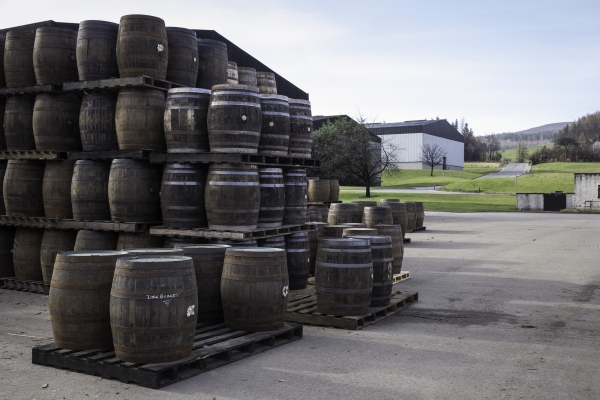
(410,146)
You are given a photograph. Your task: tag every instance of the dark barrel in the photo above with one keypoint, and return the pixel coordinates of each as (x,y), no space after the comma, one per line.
(133,191)
(334,231)
(298,259)
(399,214)
(361,208)
(79,299)
(411,212)
(174,241)
(254,289)
(275,128)
(377,215)
(275,242)
(344,276)
(89,190)
(300,128)
(318,190)
(232,73)
(395,233)
(322,209)
(232,197)
(54,241)
(235,243)
(350,232)
(54,60)
(129,240)
(272,197)
(97,121)
(234,119)
(183,56)
(26,254)
(2,110)
(3,166)
(313,215)
(295,210)
(18,122)
(97,50)
(153,308)
(313,243)
(334,190)
(420,214)
(182,195)
(7,239)
(56,189)
(2,78)
(342,213)
(56,122)
(154,252)
(247,76)
(18,59)
(22,188)
(185,120)
(354,224)
(266,82)
(142,47)
(95,240)
(139,119)
(212,67)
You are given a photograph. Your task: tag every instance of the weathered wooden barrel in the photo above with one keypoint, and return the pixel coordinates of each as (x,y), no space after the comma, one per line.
(154,252)
(354,224)
(272,197)
(361,208)
(266,82)
(139,119)
(97,50)
(162,295)
(399,214)
(2,78)
(232,73)
(56,189)
(349,232)
(232,197)
(89,190)
(142,47)
(300,128)
(322,209)
(377,215)
(22,188)
(275,242)
(54,241)
(7,239)
(56,122)
(314,216)
(295,209)
(88,240)
(182,67)
(54,59)
(420,214)
(18,123)
(130,240)
(3,166)
(334,231)
(133,191)
(254,289)
(79,299)
(97,121)
(2,110)
(344,276)
(185,120)
(394,232)
(234,119)
(411,213)
(313,243)
(247,76)
(18,59)
(320,227)
(318,190)
(389,200)
(182,195)
(342,213)
(26,254)
(236,243)
(334,190)
(213,59)
(297,249)
(174,241)
(275,128)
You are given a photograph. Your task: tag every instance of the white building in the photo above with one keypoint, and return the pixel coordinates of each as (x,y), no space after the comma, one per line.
(587,190)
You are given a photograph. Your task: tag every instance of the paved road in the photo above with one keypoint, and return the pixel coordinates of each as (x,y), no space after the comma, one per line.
(509,171)
(419,190)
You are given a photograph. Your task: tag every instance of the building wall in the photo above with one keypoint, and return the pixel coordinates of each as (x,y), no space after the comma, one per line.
(586,188)
(411,145)
(530,201)
(455,150)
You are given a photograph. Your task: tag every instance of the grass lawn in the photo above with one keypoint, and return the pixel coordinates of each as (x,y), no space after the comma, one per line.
(528,183)
(511,154)
(570,167)
(408,178)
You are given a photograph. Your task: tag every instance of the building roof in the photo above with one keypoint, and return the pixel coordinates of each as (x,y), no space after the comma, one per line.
(440,128)
(320,120)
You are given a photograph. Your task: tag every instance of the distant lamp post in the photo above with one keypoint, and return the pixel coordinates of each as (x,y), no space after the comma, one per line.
(515,185)
(458,176)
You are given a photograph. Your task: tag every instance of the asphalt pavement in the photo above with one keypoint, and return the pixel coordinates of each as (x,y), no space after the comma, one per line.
(509,171)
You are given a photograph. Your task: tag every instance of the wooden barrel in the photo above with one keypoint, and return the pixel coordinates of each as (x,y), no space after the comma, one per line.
(275,128)
(56,122)
(411,213)
(208,265)
(154,252)
(97,121)
(350,232)
(162,295)
(18,123)
(341,213)
(300,128)
(420,214)
(314,216)
(2,78)
(26,254)
(235,243)
(334,231)
(2,110)
(389,200)
(182,67)
(354,224)
(182,195)
(7,239)
(174,241)
(212,69)
(133,191)
(254,289)
(377,215)
(318,190)
(298,259)
(185,120)
(234,119)
(344,276)
(393,231)
(334,190)
(97,50)
(266,82)
(54,59)
(232,73)
(54,241)
(3,166)
(130,240)
(232,197)
(139,119)
(247,76)
(272,197)
(399,214)
(313,243)
(22,188)
(88,240)
(89,190)
(322,209)
(275,242)
(142,47)
(56,189)
(295,209)
(79,299)
(18,59)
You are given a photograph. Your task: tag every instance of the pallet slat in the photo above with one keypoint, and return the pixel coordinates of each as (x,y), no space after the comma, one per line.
(236,235)
(24,286)
(258,159)
(39,222)
(32,155)
(30,89)
(118,83)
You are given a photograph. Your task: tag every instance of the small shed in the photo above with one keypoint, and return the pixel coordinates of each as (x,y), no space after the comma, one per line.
(544,201)
(587,190)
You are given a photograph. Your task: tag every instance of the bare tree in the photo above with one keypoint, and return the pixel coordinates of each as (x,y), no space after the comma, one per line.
(432,155)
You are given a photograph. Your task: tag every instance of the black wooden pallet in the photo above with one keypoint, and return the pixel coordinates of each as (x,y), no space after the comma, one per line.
(420,229)
(109,155)
(303,309)
(214,346)
(24,286)
(30,90)
(234,158)
(32,155)
(119,83)
(40,222)
(234,235)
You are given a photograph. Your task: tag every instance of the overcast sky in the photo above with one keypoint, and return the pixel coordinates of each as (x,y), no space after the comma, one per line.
(501,65)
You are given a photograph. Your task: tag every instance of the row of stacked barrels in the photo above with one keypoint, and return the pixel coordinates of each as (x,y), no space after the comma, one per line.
(323,190)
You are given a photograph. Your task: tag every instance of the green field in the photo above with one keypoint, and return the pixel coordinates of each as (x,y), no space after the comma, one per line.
(511,154)
(408,178)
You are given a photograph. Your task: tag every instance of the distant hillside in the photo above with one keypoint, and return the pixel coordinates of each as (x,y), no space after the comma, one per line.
(555,127)
(537,136)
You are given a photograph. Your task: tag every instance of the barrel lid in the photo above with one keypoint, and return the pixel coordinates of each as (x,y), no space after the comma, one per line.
(274,97)
(265,73)
(344,242)
(210,41)
(180,29)
(246,69)
(374,239)
(189,90)
(148,260)
(255,249)
(342,206)
(377,208)
(141,16)
(94,253)
(236,87)
(203,248)
(20,34)
(98,22)
(154,251)
(364,202)
(55,30)
(300,101)
(355,225)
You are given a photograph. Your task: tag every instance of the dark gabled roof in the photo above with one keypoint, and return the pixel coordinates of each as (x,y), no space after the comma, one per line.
(320,120)
(440,128)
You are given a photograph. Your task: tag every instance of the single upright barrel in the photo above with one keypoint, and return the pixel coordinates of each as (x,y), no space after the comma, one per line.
(351,232)
(2,78)
(7,239)
(275,128)
(18,123)
(88,240)
(254,289)
(18,59)
(97,50)
(185,120)
(300,128)
(54,241)
(411,212)
(26,254)
(89,190)
(399,214)
(344,276)
(247,76)
(182,195)
(334,190)
(79,299)
(334,231)
(212,69)
(22,188)
(313,243)
(295,209)
(54,60)
(232,73)
(395,233)
(2,110)
(234,119)
(3,166)
(377,215)
(272,197)
(266,82)
(322,209)
(298,259)
(56,189)
(318,190)
(275,242)
(361,208)
(142,47)
(56,122)
(342,213)
(153,308)
(129,240)
(97,121)
(420,214)
(183,56)
(139,119)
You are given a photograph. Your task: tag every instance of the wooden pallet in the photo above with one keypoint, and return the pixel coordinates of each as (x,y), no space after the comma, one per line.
(109,155)
(40,222)
(322,203)
(234,235)
(234,158)
(24,286)
(303,309)
(214,346)
(32,155)
(420,229)
(119,83)
(402,276)
(30,90)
